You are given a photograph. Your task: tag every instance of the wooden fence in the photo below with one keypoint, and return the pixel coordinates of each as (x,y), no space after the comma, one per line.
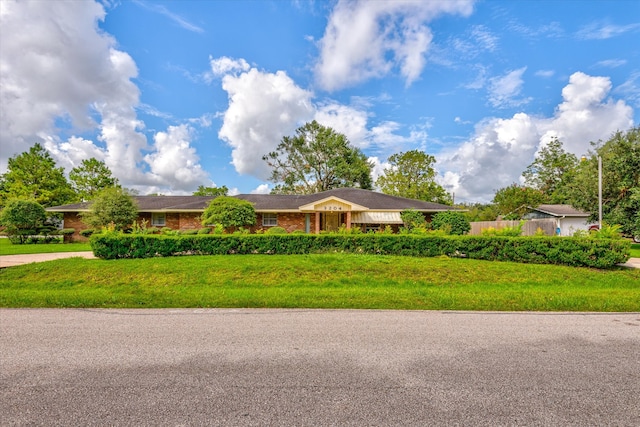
(528,229)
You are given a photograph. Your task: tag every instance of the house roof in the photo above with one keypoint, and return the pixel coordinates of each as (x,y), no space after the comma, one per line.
(561,210)
(277,202)
(366,198)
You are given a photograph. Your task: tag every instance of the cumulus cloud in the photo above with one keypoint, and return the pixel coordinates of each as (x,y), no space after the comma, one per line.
(365,39)
(348,120)
(174,161)
(263,107)
(88,88)
(225,65)
(501,149)
(261,189)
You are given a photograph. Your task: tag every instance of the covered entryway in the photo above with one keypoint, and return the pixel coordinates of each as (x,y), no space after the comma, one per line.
(331,213)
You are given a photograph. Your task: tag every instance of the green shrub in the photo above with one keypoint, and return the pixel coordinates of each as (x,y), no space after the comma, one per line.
(598,253)
(87,232)
(189,232)
(229,212)
(205,230)
(22,220)
(456,223)
(276,230)
(413,220)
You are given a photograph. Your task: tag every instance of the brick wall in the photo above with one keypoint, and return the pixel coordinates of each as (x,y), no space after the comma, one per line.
(73,220)
(288,221)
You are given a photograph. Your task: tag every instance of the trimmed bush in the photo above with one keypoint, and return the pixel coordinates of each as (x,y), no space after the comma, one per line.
(275,230)
(87,233)
(540,250)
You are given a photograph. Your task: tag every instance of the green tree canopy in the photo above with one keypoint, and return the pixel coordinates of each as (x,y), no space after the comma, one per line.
(411,174)
(620,181)
(90,178)
(22,218)
(211,191)
(456,223)
(413,220)
(317,159)
(111,206)
(512,201)
(229,212)
(551,171)
(34,175)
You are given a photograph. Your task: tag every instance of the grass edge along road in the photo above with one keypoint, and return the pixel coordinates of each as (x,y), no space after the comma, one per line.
(319,281)
(7,248)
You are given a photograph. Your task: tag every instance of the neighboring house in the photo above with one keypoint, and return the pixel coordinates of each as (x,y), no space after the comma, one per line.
(311,213)
(568,220)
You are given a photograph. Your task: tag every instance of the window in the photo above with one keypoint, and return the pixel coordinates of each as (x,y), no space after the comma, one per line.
(269,219)
(158,219)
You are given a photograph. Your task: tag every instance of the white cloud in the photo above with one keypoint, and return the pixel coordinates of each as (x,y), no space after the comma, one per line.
(631,89)
(174,162)
(378,167)
(88,88)
(261,189)
(611,63)
(350,121)
(225,65)
(505,90)
(598,31)
(545,73)
(263,107)
(500,149)
(365,39)
(182,22)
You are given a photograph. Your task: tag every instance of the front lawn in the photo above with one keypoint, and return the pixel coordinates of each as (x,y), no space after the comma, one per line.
(635,250)
(319,281)
(7,248)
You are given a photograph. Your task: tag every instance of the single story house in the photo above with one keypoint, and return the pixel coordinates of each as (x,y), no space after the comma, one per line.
(568,219)
(311,213)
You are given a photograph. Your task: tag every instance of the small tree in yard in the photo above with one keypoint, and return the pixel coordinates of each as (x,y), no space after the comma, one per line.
(413,220)
(455,222)
(111,206)
(22,218)
(229,212)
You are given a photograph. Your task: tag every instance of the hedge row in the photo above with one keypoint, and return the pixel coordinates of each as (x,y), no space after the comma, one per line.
(541,250)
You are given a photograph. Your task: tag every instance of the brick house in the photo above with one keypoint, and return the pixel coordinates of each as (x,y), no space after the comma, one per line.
(311,213)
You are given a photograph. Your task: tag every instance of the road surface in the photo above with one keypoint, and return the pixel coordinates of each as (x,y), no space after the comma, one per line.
(237,367)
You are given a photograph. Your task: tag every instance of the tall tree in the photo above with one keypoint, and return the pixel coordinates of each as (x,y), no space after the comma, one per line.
(90,178)
(111,206)
(317,159)
(512,201)
(211,191)
(551,171)
(34,175)
(620,181)
(411,174)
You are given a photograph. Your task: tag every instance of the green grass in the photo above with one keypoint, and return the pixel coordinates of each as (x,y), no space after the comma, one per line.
(635,250)
(319,281)
(7,248)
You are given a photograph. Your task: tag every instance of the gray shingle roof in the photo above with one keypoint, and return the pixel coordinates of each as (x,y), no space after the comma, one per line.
(561,210)
(369,199)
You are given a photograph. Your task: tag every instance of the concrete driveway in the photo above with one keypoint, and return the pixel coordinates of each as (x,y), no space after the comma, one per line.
(318,367)
(13,260)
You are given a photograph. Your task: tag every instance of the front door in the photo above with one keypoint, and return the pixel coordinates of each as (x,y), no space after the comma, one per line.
(331,221)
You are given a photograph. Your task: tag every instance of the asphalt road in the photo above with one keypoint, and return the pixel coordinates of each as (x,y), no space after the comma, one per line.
(318,367)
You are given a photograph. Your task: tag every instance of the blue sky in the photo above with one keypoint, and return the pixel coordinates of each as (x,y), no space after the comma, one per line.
(176,94)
